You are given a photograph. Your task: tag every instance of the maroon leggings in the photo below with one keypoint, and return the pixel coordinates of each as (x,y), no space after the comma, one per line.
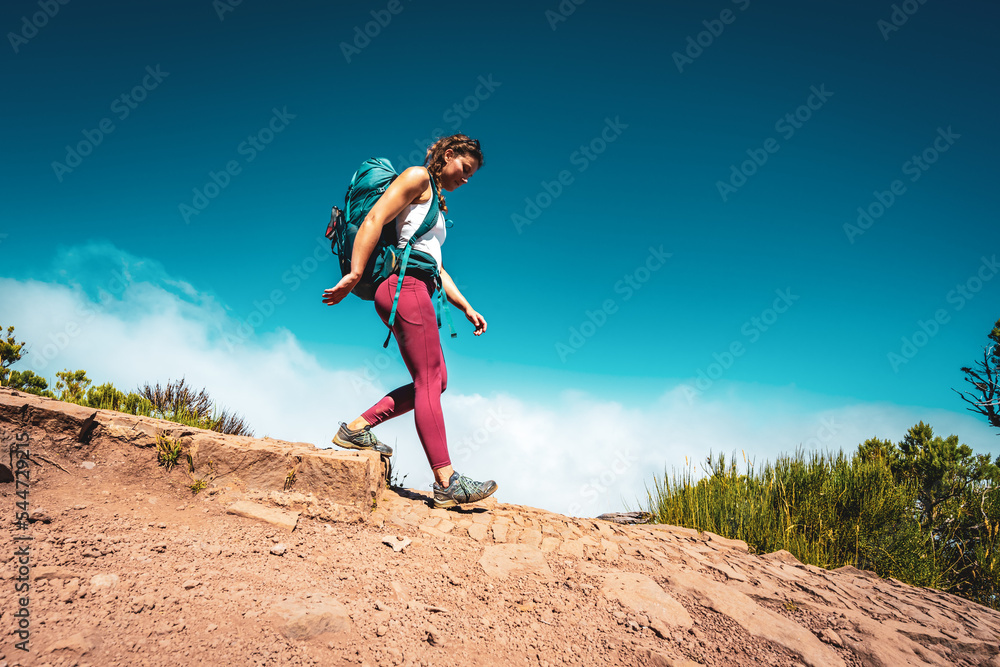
(416,333)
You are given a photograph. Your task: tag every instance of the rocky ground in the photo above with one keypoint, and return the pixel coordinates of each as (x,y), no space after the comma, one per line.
(130,567)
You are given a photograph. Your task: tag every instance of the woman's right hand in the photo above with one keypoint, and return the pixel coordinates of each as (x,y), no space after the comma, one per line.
(336,294)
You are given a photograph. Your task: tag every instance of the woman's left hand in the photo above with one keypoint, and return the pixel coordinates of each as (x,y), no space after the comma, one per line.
(477,320)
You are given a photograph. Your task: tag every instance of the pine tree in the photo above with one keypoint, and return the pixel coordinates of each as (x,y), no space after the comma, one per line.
(10,353)
(984,377)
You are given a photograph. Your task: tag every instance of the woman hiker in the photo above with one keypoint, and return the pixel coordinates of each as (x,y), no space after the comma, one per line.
(451,161)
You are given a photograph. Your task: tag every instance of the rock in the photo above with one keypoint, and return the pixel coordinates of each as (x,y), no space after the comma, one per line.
(739,545)
(76,643)
(348,478)
(381,630)
(279,550)
(627,517)
(782,556)
(396,542)
(478,531)
(434,637)
(413,605)
(550,544)
(280,518)
(644,596)
(755,619)
(657,659)
(190,583)
(727,570)
(850,570)
(501,560)
(50,572)
(138,603)
(531,537)
(88,465)
(300,619)
(399,591)
(40,515)
(572,548)
(108,581)
(831,637)
(675,530)
(69,590)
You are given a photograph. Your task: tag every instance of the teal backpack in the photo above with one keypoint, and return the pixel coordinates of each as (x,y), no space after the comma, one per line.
(369,182)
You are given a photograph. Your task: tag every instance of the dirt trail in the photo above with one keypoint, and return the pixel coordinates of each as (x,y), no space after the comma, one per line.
(129,567)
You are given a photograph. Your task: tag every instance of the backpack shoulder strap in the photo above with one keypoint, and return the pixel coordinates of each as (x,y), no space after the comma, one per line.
(431,218)
(429,221)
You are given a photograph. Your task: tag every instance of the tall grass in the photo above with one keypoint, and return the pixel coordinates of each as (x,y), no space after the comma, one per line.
(176,402)
(828,510)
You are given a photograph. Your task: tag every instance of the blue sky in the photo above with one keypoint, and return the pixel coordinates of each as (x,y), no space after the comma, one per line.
(665,186)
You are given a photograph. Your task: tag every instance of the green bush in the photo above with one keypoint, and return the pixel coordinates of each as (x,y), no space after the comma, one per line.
(29,383)
(176,402)
(107,397)
(72,385)
(926,512)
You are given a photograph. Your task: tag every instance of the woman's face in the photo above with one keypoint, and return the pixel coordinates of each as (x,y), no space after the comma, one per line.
(457,170)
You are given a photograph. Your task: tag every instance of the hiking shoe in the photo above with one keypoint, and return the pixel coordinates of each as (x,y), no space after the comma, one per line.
(360,439)
(462,490)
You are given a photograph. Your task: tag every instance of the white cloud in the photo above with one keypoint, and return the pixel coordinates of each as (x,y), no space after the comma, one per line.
(124,319)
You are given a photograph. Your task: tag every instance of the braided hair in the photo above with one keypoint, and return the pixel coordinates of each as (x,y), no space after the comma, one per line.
(460,144)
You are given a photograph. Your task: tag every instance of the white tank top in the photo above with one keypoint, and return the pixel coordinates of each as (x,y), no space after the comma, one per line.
(410,219)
